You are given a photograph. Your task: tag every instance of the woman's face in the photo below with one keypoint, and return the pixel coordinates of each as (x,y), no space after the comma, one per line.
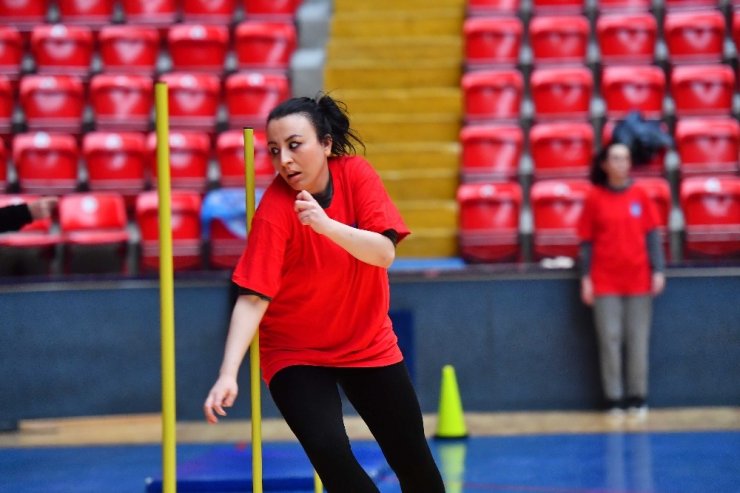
(297,153)
(617,164)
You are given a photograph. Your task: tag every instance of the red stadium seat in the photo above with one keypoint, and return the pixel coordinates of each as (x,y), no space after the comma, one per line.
(492,41)
(94,232)
(129,49)
(492,7)
(489,221)
(60,49)
(656,166)
(492,95)
(562,149)
(208,11)
(3,166)
(736,27)
(186,229)
(557,6)
(52,102)
(23,14)
(626,38)
(46,163)
(627,88)
(675,5)
(694,36)
(264,45)
(7,103)
(122,101)
(281,10)
(711,208)
(561,93)
(193,100)
(230,156)
(490,152)
(556,208)
(91,13)
(30,251)
(189,155)
(708,146)
(11,52)
(116,161)
(624,6)
(251,95)
(160,13)
(703,90)
(196,47)
(559,39)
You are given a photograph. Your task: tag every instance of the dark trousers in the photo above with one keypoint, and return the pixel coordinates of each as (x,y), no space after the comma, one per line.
(308,398)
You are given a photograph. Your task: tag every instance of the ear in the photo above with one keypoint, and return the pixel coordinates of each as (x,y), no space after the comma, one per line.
(327,142)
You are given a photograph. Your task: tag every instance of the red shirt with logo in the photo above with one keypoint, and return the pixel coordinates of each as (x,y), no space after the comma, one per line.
(616,223)
(327,308)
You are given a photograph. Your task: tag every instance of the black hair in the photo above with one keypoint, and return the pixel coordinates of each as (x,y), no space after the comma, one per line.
(328,117)
(597,175)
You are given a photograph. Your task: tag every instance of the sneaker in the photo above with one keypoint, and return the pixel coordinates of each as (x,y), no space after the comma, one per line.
(614,409)
(637,408)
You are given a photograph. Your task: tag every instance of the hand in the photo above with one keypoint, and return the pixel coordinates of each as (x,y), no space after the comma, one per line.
(43,207)
(310,212)
(587,290)
(658,283)
(222,394)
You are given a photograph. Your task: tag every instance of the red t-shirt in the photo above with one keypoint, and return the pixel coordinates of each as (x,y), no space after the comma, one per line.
(327,308)
(616,222)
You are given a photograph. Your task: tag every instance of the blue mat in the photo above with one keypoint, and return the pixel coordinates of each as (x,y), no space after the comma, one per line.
(285,467)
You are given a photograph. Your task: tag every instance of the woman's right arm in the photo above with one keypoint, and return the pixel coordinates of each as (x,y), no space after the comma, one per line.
(245,319)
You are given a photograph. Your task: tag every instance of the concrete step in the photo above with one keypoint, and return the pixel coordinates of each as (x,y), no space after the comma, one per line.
(431,184)
(393,128)
(373,74)
(400,100)
(400,23)
(429,213)
(398,48)
(390,5)
(415,155)
(429,242)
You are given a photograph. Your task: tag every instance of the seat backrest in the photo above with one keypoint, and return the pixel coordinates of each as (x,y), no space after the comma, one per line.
(193,99)
(62,49)
(264,45)
(52,102)
(24,14)
(198,47)
(559,39)
(626,38)
(7,103)
(624,6)
(711,200)
(708,145)
(490,152)
(557,204)
(92,13)
(492,41)
(129,49)
(251,95)
(45,163)
(122,100)
(561,92)
(551,7)
(185,207)
(189,155)
(230,156)
(489,206)
(628,88)
(92,211)
(115,160)
(281,10)
(208,11)
(561,149)
(694,36)
(11,50)
(492,94)
(150,12)
(702,89)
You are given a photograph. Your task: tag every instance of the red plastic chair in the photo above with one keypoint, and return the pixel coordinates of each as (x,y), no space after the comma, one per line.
(561,93)
(122,101)
(52,102)
(129,49)
(230,157)
(91,13)
(280,10)
(559,39)
(23,14)
(208,11)
(7,103)
(558,6)
(561,150)
(30,251)
(556,209)
(736,27)
(626,38)
(11,52)
(189,155)
(198,47)
(251,95)
(62,49)
(628,88)
(708,146)
(193,100)
(186,229)
(703,90)
(490,152)
(489,221)
(116,161)
(678,5)
(264,45)
(492,41)
(492,7)
(46,163)
(492,95)
(655,168)
(94,232)
(694,36)
(624,6)
(159,13)
(711,208)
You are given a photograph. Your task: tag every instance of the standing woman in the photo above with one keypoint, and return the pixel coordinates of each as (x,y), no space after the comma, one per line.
(314,278)
(622,269)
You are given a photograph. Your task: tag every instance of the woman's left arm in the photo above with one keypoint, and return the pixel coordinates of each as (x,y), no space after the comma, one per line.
(367,246)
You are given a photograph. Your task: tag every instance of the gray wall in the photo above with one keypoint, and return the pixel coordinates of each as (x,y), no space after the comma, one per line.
(517,342)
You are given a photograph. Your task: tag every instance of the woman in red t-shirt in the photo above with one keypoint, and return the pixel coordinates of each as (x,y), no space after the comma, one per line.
(622,269)
(313,277)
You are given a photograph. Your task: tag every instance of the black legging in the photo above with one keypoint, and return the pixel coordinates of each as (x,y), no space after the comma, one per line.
(309,400)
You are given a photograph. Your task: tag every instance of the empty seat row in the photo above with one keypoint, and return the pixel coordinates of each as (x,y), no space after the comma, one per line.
(490,217)
(513,7)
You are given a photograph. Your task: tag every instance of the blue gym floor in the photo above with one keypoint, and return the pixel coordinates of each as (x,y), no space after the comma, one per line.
(683,462)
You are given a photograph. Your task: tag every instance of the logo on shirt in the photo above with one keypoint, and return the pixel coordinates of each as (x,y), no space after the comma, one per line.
(635,209)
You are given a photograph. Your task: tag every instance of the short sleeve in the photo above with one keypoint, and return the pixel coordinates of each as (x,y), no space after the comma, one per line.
(260,266)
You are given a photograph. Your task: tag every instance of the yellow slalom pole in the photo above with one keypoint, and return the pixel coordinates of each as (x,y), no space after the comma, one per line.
(254,349)
(166,293)
(317,486)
